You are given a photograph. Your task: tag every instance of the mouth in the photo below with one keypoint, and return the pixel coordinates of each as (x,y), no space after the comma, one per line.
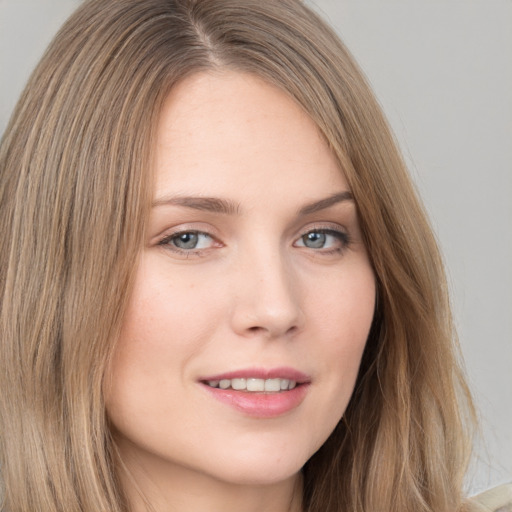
(254,384)
(259,392)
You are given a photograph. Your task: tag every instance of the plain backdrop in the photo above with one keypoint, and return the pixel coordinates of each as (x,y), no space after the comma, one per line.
(442,70)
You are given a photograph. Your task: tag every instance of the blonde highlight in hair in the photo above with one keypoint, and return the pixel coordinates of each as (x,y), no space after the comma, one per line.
(75,185)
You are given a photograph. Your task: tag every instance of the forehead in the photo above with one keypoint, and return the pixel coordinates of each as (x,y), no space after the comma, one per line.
(223,132)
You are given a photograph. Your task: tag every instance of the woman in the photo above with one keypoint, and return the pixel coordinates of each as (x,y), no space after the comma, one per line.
(219,289)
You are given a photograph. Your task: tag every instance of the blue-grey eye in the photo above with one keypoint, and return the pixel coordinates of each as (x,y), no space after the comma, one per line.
(323,239)
(314,240)
(190,240)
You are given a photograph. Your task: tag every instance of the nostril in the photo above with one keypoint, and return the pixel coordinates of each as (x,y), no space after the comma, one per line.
(256,329)
(292,330)
(261,330)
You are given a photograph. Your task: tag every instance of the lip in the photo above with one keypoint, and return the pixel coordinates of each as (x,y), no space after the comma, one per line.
(260,404)
(283,372)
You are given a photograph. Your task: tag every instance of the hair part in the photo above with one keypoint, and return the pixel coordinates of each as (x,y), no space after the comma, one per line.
(75,187)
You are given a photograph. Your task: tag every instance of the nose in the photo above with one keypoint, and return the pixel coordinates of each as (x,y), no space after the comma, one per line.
(267,301)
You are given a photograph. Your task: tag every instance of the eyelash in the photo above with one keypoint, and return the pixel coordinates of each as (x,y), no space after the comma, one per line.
(341,236)
(167,243)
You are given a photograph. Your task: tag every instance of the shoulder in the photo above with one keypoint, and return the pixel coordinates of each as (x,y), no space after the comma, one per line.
(497,499)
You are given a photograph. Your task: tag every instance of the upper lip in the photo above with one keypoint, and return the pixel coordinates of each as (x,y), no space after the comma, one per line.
(261,373)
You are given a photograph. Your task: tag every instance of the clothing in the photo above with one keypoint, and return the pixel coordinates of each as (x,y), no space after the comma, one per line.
(497,499)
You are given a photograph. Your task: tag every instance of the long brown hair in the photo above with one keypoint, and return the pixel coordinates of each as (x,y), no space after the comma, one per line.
(75,182)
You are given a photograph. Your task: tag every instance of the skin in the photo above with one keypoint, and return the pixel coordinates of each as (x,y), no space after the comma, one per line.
(254,292)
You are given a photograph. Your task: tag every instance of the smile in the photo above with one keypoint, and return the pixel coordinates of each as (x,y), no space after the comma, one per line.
(259,392)
(254,384)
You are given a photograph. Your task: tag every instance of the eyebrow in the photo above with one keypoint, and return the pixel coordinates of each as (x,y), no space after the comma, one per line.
(227,207)
(207,204)
(326,203)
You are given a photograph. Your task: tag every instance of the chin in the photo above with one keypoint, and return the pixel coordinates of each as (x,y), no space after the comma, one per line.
(259,466)
(258,476)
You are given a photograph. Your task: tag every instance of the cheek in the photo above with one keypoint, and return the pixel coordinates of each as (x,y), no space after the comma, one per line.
(342,309)
(168,322)
(343,315)
(167,312)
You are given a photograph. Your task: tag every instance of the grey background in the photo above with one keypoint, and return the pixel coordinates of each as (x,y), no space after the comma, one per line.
(442,70)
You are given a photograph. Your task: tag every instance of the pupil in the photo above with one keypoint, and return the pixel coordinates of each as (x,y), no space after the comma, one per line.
(315,240)
(186,241)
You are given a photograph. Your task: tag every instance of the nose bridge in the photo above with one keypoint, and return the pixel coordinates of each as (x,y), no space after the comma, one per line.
(267,300)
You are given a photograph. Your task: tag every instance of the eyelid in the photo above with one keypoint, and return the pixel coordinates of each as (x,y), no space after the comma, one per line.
(163,240)
(331,229)
(184,227)
(323,227)
(177,234)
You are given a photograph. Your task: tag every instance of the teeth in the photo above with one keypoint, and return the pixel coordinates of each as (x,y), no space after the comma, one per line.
(256,385)
(238,384)
(224,384)
(273,385)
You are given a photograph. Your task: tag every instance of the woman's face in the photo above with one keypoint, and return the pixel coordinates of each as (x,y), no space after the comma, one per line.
(253,280)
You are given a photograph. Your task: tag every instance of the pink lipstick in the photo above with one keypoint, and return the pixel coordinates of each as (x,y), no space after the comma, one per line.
(258,392)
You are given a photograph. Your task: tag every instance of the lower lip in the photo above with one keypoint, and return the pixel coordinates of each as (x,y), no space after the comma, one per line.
(261,405)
